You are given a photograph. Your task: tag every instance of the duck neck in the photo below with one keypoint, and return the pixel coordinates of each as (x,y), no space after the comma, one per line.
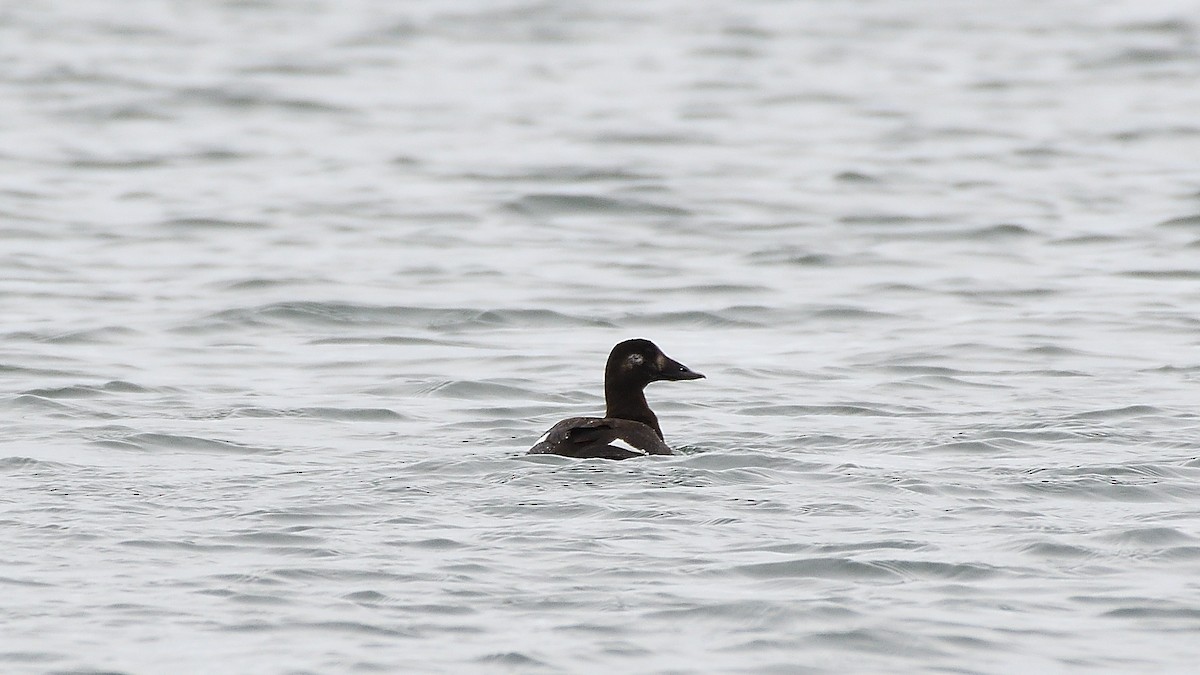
(629,403)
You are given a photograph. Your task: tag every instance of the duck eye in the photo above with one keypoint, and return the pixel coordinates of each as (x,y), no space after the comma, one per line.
(636,359)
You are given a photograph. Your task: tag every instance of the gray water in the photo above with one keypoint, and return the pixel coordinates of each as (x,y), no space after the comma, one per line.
(288,289)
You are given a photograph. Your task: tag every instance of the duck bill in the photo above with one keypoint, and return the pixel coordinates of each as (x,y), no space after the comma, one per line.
(674,370)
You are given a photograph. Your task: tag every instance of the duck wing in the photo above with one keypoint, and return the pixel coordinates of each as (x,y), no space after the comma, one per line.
(604,438)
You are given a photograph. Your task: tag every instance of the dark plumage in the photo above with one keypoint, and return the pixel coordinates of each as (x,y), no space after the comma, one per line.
(628,428)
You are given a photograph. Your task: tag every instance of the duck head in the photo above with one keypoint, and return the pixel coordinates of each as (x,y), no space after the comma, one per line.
(638,362)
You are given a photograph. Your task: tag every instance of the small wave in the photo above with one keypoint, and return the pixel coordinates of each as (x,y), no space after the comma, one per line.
(91,336)
(1005,293)
(988,446)
(367,597)
(123,387)
(404,340)
(1179,26)
(30,656)
(580,204)
(561,174)
(1134,471)
(261,283)
(928,569)
(891,644)
(1125,412)
(855,177)
(434,544)
(344,414)
(74,391)
(798,258)
(119,113)
(112,444)
(1163,275)
(474,390)
(737,316)
(151,441)
(1058,551)
(1184,221)
(255,598)
(440,609)
(87,391)
(1001,231)
(753,611)
(1172,132)
(1108,488)
(214,224)
(1188,553)
(534,318)
(355,627)
(512,660)
(847,312)
(50,407)
(708,288)
(923,370)
(352,414)
(176,544)
(29,463)
(716,461)
(291,67)
(241,99)
(821,568)
(1056,350)
(274,539)
(1088,240)
(26,234)
(1150,536)
(348,314)
(1140,57)
(806,410)
(1056,373)
(646,138)
(1154,611)
(945,381)
(883,545)
(889,219)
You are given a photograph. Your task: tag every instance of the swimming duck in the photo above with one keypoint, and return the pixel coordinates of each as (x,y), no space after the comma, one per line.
(628,428)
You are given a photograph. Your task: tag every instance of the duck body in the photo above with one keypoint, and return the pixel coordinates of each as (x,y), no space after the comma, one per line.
(600,437)
(629,428)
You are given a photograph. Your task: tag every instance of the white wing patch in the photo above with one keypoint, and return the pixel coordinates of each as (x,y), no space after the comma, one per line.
(624,445)
(542,439)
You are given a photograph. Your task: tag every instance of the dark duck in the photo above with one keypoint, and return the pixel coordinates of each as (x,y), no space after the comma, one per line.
(628,428)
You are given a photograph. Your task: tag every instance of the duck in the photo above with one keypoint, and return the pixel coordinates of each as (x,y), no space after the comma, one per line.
(629,428)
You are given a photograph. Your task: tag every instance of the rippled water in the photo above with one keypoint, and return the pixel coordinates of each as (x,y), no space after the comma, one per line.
(289,288)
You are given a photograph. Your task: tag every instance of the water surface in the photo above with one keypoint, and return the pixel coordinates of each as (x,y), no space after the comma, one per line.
(289,288)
